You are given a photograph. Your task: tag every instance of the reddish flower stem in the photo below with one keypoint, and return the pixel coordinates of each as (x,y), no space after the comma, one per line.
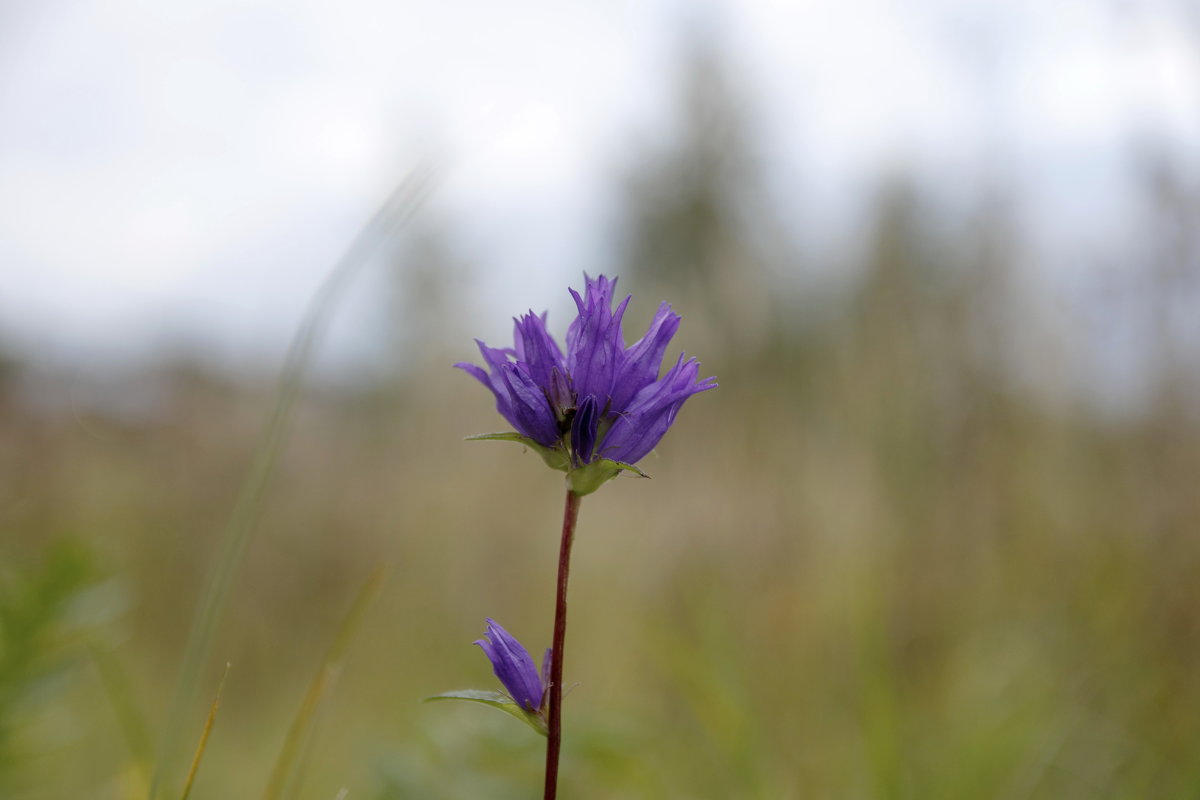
(554,736)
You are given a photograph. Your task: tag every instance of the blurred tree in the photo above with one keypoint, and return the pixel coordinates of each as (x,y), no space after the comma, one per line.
(1172,282)
(426,278)
(694,214)
(10,375)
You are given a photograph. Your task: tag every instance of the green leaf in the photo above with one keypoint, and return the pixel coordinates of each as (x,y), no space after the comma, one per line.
(555,457)
(495,700)
(502,436)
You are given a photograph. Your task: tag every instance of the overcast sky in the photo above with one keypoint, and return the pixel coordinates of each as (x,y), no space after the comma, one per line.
(187,171)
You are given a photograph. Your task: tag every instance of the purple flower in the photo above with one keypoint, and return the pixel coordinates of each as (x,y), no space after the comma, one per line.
(514,667)
(600,401)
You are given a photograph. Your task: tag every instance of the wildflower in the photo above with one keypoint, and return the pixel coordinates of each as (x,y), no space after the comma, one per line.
(600,407)
(514,667)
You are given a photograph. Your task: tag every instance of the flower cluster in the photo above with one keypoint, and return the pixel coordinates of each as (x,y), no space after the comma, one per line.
(591,412)
(599,403)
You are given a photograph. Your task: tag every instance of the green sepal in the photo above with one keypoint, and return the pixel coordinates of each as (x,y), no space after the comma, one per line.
(590,477)
(495,700)
(555,457)
(632,468)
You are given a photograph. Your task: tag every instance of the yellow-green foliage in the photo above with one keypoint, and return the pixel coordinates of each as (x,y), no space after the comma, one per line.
(865,567)
(878,562)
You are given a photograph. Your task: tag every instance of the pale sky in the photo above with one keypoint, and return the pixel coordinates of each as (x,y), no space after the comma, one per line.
(188,171)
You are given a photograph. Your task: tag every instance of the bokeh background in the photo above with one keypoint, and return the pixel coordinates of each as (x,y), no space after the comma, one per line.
(934,536)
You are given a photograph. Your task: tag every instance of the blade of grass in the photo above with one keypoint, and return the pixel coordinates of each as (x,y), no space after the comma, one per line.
(119,689)
(395,212)
(323,682)
(208,724)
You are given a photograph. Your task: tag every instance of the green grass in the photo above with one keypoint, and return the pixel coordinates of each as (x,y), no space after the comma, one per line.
(864,568)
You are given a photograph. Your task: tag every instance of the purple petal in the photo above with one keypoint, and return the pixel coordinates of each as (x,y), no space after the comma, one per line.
(477,372)
(640,363)
(595,345)
(494,359)
(631,438)
(488,649)
(598,292)
(531,412)
(536,348)
(652,411)
(513,666)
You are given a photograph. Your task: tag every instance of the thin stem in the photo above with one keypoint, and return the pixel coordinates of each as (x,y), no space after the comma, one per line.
(554,737)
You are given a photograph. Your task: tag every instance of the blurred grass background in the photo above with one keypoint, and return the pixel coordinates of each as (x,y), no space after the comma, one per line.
(909,549)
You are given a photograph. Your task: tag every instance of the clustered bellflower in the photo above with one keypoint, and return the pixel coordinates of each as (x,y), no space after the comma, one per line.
(593,410)
(600,407)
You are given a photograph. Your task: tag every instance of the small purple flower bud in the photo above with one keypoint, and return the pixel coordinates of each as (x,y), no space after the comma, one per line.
(513,666)
(583,429)
(559,391)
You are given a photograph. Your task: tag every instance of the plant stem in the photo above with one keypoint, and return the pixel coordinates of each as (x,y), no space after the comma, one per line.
(554,737)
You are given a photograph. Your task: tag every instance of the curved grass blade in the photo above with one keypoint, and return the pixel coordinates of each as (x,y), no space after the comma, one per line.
(407,198)
(114,680)
(323,682)
(212,717)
